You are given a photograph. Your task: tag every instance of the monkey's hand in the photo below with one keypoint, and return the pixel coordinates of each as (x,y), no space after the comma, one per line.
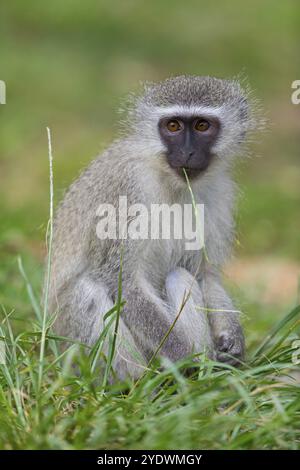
(228,337)
(224,321)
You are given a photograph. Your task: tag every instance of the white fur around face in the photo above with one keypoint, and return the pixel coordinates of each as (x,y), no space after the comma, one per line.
(186,111)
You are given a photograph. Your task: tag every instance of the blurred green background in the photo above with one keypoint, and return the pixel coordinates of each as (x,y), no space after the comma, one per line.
(67,65)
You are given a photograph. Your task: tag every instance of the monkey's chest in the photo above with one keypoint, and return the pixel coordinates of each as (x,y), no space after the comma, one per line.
(162,256)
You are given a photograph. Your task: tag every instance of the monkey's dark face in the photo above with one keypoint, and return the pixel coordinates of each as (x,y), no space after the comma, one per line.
(189,142)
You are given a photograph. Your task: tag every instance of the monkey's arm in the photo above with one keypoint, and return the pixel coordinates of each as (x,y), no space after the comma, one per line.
(223,318)
(149,321)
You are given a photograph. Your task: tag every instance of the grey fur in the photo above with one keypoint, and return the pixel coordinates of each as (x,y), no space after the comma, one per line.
(84,274)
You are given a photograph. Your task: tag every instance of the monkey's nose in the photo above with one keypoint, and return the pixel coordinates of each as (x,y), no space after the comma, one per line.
(189,155)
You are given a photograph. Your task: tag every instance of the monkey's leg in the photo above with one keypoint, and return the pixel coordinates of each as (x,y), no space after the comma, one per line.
(82,306)
(184,294)
(149,319)
(224,320)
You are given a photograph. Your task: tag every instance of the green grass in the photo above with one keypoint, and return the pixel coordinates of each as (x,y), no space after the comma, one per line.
(216,407)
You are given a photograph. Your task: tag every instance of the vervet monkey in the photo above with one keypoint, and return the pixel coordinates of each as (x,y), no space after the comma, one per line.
(190,123)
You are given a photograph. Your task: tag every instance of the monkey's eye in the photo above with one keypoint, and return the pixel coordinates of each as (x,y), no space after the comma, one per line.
(202,125)
(173,126)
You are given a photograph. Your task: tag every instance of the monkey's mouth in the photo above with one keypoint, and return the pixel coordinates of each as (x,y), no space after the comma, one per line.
(191,173)
(185,170)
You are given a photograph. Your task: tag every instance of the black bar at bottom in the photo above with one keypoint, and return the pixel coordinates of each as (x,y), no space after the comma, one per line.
(135,458)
